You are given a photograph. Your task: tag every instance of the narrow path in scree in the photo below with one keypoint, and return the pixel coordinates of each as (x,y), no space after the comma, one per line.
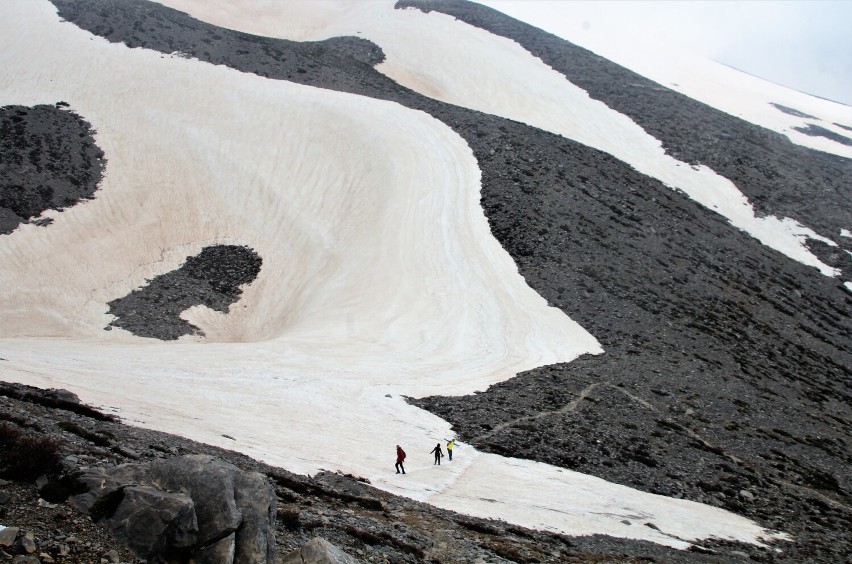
(570,406)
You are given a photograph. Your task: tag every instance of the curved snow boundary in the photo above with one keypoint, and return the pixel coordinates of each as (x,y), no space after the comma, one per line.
(491,74)
(380,279)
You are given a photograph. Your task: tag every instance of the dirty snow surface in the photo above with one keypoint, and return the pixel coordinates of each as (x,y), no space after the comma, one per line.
(380,278)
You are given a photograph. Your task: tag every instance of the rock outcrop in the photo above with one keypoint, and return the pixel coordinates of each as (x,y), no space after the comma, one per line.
(193,506)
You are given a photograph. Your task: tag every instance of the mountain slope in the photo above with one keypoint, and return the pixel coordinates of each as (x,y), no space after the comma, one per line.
(726,364)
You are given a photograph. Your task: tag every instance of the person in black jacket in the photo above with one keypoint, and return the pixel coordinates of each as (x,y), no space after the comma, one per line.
(438,454)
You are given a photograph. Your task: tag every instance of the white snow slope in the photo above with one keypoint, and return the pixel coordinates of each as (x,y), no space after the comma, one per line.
(380,277)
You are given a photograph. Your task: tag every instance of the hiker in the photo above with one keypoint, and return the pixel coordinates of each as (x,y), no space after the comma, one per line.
(450,446)
(438,454)
(400,458)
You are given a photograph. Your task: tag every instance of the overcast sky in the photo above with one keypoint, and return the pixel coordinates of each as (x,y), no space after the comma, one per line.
(803,45)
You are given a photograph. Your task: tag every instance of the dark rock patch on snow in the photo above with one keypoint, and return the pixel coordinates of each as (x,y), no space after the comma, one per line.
(211,278)
(791,111)
(846,127)
(48,160)
(818,131)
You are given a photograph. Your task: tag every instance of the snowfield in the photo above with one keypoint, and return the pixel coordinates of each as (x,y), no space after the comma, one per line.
(472,68)
(380,276)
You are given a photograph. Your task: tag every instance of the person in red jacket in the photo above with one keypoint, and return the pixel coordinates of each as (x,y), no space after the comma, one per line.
(400,458)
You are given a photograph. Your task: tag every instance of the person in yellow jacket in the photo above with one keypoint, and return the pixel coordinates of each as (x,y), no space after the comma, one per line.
(450,446)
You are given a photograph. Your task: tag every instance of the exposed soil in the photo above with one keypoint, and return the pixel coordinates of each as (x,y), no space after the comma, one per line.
(726,377)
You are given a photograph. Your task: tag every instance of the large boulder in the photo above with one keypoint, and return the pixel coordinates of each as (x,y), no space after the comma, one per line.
(154,523)
(196,507)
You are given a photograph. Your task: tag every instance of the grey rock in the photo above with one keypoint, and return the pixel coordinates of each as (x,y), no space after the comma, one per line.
(111,557)
(7,536)
(127,452)
(61,395)
(153,522)
(27,541)
(222,551)
(185,506)
(746,495)
(69,463)
(4,497)
(256,499)
(318,551)
(210,484)
(25,559)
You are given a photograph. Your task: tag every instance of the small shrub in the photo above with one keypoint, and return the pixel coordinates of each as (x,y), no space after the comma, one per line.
(288,515)
(26,457)
(92,436)
(9,435)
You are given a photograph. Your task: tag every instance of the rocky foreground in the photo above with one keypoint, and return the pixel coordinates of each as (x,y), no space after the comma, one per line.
(60,458)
